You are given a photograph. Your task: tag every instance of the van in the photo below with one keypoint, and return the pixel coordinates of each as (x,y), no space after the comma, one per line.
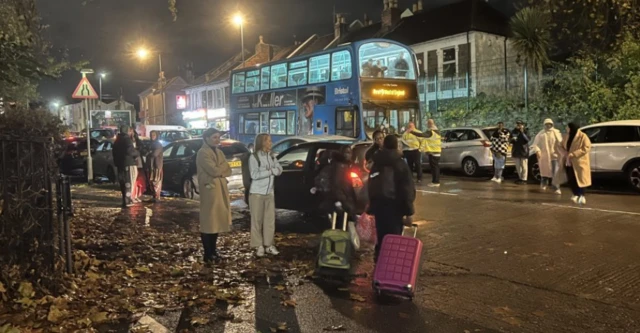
(145,130)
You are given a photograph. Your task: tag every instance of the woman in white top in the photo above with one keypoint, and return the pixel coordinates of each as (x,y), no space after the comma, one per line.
(264,167)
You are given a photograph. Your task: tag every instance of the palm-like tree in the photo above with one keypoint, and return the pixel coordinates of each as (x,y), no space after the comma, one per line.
(531,38)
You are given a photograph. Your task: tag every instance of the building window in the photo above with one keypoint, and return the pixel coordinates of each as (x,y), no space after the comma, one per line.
(238,83)
(226,96)
(264,122)
(249,123)
(252,81)
(298,73)
(279,76)
(209,99)
(204,99)
(340,65)
(219,99)
(319,69)
(386,60)
(291,122)
(448,69)
(264,81)
(282,122)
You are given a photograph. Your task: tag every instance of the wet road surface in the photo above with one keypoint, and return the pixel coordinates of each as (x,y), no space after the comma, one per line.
(498,258)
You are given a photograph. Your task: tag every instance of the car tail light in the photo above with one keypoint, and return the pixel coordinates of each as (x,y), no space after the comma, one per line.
(486,143)
(356,182)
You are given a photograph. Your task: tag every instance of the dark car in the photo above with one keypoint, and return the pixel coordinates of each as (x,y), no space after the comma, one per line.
(179,165)
(103,134)
(74,160)
(168,136)
(293,187)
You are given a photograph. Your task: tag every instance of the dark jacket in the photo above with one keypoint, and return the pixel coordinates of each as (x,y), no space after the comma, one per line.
(372,151)
(154,156)
(124,154)
(405,187)
(520,142)
(342,185)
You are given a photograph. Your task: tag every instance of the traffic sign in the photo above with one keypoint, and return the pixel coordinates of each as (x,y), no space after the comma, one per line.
(85,90)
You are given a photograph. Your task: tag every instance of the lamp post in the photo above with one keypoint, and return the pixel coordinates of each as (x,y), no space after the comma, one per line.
(101,76)
(143,53)
(56,107)
(239,20)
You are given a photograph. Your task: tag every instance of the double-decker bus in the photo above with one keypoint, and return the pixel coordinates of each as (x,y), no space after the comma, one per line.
(350,90)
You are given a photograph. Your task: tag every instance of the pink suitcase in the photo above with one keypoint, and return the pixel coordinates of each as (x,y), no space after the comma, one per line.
(398,265)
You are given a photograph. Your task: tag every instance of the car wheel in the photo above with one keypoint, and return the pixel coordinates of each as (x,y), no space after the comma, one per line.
(470,167)
(111,175)
(189,190)
(534,169)
(633,175)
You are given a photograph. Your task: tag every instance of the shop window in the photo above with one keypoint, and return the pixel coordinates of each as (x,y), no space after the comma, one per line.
(204,100)
(291,122)
(298,73)
(250,123)
(319,69)
(264,81)
(278,123)
(252,81)
(340,65)
(219,100)
(238,83)
(279,76)
(209,98)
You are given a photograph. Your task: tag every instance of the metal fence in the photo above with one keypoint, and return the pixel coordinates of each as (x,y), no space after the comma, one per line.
(30,235)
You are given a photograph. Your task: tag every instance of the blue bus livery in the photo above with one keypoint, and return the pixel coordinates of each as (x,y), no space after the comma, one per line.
(329,92)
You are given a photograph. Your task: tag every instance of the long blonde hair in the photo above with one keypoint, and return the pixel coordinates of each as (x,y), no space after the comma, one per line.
(258,144)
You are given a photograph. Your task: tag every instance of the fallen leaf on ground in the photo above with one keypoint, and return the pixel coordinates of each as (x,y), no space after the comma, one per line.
(199,321)
(279,288)
(338,328)
(343,289)
(99,317)
(8,328)
(290,302)
(357,298)
(26,289)
(2,289)
(55,315)
(404,315)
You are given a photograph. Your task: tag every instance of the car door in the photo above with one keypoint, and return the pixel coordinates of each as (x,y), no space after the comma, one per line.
(102,158)
(169,167)
(596,135)
(450,154)
(613,148)
(292,187)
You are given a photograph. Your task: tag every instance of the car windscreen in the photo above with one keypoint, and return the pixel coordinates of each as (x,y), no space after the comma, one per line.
(97,134)
(233,149)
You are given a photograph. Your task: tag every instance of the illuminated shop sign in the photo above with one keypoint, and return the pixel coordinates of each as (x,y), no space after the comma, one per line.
(385,90)
(216,113)
(181,102)
(197,114)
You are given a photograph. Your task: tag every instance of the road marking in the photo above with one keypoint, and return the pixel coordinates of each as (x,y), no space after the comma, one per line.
(592,209)
(435,192)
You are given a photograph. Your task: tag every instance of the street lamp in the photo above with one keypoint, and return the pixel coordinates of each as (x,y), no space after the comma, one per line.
(239,21)
(101,76)
(56,107)
(142,54)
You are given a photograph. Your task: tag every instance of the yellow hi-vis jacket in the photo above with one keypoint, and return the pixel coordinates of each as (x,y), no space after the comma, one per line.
(433,144)
(413,142)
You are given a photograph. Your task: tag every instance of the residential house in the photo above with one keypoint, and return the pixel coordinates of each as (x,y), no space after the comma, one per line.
(159,103)
(74,115)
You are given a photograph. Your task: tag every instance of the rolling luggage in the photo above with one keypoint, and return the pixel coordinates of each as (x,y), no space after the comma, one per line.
(334,256)
(398,265)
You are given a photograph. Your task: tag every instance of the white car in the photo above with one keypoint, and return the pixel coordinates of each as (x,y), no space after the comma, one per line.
(615,151)
(284,144)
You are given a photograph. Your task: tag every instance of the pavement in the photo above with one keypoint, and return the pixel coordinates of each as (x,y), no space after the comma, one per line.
(498,258)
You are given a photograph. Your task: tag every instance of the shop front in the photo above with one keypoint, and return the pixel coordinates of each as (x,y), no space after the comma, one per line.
(195,119)
(217,118)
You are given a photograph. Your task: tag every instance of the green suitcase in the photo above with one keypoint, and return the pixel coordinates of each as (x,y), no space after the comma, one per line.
(335,249)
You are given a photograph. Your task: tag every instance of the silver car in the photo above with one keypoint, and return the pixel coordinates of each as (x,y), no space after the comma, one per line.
(467,149)
(285,143)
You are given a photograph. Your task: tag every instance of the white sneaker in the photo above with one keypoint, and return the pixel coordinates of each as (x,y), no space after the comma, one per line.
(543,187)
(272,250)
(434,185)
(575,199)
(558,191)
(582,200)
(260,252)
(494,179)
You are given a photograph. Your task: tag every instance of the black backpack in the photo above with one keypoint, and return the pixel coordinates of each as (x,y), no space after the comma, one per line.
(382,183)
(246,172)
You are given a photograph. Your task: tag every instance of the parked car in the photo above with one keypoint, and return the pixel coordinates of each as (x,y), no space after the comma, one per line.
(292,188)
(615,151)
(74,160)
(468,149)
(103,134)
(286,143)
(180,165)
(103,165)
(197,132)
(168,136)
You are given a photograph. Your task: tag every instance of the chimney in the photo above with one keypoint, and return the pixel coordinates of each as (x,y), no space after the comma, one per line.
(415,7)
(264,52)
(386,4)
(340,28)
(420,5)
(390,15)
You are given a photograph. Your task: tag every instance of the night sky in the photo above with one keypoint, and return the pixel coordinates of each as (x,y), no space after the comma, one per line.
(106,32)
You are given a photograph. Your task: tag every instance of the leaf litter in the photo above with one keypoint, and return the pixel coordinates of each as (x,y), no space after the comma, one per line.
(124,269)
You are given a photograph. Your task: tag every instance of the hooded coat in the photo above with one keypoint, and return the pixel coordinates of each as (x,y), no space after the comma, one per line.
(547,143)
(215,205)
(578,154)
(405,187)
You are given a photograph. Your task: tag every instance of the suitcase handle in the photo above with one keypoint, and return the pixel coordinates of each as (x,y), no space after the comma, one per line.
(334,217)
(415,229)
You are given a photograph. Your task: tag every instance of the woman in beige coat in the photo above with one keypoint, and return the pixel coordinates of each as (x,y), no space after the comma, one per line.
(575,157)
(215,205)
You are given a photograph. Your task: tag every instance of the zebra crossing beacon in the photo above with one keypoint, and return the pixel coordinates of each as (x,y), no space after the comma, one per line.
(349,90)
(86,92)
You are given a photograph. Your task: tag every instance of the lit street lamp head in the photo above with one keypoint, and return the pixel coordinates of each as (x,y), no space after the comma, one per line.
(103,75)
(238,19)
(142,53)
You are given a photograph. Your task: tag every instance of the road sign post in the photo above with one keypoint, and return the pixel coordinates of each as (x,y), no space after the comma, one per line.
(85,91)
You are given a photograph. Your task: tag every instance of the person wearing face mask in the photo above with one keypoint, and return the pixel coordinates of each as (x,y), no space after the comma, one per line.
(215,205)
(264,167)
(546,145)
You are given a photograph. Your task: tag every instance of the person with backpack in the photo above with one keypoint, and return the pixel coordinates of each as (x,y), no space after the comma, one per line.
(392,191)
(343,192)
(264,167)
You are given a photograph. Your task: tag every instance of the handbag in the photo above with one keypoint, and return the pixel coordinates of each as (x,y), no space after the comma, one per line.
(366,228)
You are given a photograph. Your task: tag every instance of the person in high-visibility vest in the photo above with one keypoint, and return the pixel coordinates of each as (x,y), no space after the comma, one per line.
(432,147)
(412,151)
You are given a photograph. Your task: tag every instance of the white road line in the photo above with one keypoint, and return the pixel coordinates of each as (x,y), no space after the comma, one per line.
(592,209)
(435,192)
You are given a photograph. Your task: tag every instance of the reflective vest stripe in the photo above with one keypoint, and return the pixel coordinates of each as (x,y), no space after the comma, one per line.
(433,144)
(412,141)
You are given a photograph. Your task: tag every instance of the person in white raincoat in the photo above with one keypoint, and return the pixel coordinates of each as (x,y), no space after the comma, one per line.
(546,146)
